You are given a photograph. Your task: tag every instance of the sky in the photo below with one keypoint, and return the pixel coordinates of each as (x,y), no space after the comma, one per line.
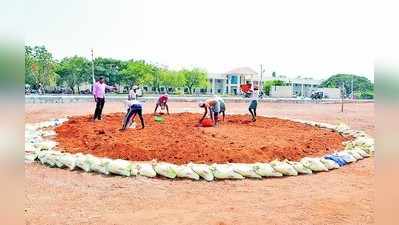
(307,38)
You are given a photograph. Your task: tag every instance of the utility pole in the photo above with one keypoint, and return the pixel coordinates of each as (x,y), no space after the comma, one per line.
(92,65)
(342,97)
(261,76)
(352,88)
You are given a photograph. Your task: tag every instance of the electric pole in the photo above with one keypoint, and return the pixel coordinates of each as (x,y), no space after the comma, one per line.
(92,66)
(352,88)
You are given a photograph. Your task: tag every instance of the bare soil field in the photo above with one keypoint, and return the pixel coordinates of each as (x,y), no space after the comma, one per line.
(344,196)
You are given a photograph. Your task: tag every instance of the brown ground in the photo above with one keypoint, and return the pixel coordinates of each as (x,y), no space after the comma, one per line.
(344,196)
(178,140)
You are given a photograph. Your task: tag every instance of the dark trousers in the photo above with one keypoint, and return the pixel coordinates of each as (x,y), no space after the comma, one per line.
(131,113)
(99,108)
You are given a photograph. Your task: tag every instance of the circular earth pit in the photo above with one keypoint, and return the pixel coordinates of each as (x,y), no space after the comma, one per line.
(178,140)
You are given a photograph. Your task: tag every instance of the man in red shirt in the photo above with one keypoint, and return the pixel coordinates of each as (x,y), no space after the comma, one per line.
(162,102)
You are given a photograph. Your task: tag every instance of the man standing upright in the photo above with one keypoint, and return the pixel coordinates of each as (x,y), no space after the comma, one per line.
(99,97)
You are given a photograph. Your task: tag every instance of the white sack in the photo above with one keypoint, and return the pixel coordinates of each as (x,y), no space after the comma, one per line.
(224,171)
(300,168)
(202,170)
(314,164)
(284,168)
(185,171)
(68,160)
(120,167)
(165,169)
(265,170)
(146,170)
(246,170)
(330,164)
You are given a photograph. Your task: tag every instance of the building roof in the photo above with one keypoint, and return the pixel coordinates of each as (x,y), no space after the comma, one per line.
(243,71)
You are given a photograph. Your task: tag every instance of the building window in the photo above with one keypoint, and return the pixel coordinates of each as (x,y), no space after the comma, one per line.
(233,80)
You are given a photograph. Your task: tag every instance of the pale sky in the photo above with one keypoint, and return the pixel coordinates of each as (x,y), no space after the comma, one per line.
(308,38)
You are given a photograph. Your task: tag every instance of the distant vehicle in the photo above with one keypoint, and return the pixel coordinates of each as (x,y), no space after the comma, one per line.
(317,95)
(85,92)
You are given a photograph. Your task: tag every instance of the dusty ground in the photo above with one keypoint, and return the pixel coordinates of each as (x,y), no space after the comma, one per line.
(344,196)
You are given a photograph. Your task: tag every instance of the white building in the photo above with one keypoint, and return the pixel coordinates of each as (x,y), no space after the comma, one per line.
(229,82)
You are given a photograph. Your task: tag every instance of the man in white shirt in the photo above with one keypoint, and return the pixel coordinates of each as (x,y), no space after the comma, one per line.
(133,93)
(253,103)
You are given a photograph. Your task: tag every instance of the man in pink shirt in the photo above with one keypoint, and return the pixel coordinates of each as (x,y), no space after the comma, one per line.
(99,97)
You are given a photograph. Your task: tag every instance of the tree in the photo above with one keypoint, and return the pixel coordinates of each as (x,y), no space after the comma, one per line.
(195,78)
(74,71)
(39,67)
(110,69)
(268,85)
(140,72)
(362,87)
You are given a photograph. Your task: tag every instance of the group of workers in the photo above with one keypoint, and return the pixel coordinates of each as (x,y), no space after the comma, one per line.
(215,105)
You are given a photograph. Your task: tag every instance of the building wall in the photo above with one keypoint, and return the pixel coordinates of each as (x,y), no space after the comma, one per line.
(281,92)
(332,93)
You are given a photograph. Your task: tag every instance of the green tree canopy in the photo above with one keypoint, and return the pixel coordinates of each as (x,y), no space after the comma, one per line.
(139,72)
(267,85)
(110,69)
(362,87)
(39,67)
(195,78)
(74,71)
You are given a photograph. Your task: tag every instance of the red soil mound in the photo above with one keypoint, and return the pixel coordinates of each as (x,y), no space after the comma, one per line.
(177,140)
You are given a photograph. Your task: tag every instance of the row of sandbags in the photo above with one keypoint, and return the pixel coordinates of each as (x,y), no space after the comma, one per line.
(37,148)
(90,163)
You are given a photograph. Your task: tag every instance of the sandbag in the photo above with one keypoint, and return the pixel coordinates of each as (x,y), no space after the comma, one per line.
(225,171)
(342,128)
(50,159)
(346,156)
(284,168)
(68,160)
(356,155)
(48,133)
(300,168)
(99,165)
(314,164)
(58,163)
(82,162)
(46,145)
(30,157)
(337,159)
(330,164)
(146,170)
(185,171)
(361,152)
(202,170)
(120,167)
(246,170)
(165,169)
(265,170)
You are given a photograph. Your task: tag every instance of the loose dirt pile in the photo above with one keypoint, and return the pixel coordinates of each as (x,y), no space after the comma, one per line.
(177,140)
